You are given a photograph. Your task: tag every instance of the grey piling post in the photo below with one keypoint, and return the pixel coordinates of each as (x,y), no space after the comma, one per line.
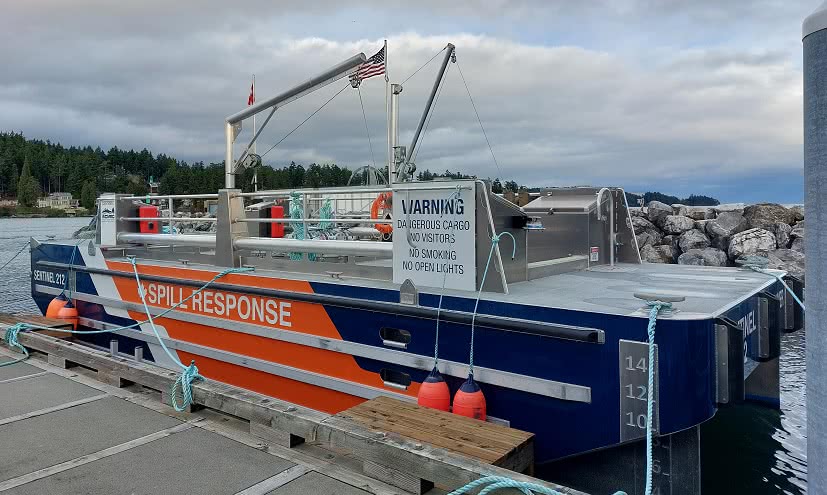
(113,348)
(814,34)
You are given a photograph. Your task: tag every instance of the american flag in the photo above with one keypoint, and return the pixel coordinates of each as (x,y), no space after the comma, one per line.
(374,66)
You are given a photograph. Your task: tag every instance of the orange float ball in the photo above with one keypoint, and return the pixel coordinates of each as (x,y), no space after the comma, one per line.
(55,305)
(69,313)
(434,393)
(469,400)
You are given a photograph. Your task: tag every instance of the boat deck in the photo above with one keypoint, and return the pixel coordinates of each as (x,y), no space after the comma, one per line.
(709,291)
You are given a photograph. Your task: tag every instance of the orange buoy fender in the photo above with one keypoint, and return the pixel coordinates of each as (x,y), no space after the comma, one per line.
(469,400)
(382,202)
(69,313)
(434,393)
(55,305)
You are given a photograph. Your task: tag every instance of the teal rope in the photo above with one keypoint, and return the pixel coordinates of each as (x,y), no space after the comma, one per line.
(495,239)
(296,211)
(760,264)
(188,374)
(10,337)
(655,307)
(325,215)
(501,483)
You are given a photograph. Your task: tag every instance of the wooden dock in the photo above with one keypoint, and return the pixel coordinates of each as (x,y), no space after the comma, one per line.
(101,413)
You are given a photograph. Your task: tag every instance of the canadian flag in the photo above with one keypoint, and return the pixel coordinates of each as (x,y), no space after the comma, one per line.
(252,98)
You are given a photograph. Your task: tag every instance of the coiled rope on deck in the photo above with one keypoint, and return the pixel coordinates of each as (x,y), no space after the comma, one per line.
(10,337)
(761,264)
(503,483)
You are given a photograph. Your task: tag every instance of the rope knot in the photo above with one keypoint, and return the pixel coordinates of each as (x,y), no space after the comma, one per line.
(184,383)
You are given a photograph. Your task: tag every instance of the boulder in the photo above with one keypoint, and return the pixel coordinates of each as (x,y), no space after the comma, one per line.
(701,225)
(637,211)
(657,254)
(693,239)
(657,211)
(798,212)
(729,208)
(781,231)
(700,213)
(679,210)
(751,242)
(676,224)
(788,260)
(797,236)
(724,226)
(671,240)
(703,257)
(641,224)
(647,238)
(765,215)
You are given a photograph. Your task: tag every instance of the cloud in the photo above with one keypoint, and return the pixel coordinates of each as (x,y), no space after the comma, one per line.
(570,93)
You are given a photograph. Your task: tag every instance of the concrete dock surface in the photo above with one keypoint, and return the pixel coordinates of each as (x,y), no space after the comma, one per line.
(62,431)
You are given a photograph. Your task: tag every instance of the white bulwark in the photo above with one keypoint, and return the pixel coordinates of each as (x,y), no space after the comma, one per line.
(434,235)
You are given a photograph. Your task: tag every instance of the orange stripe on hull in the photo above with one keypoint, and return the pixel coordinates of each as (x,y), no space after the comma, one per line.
(308,318)
(318,398)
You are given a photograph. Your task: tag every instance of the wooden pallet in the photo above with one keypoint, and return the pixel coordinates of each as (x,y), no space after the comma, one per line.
(487,442)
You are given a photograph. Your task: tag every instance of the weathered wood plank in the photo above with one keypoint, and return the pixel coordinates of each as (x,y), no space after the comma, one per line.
(445,429)
(448,420)
(273,436)
(491,443)
(399,479)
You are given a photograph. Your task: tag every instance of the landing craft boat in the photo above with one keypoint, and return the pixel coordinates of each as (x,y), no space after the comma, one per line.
(343,306)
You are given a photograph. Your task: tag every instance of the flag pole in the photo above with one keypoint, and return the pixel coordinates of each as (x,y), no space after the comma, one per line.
(254,116)
(387,110)
(255,171)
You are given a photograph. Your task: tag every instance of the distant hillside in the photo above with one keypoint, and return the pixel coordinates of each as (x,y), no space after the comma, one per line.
(54,167)
(691,200)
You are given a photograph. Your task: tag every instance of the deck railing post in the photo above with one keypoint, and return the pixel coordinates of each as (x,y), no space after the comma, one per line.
(230,207)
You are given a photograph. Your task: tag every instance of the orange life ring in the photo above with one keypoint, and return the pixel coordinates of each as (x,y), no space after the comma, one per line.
(383,202)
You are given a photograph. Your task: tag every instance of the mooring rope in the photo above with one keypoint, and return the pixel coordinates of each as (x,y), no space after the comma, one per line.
(183,385)
(15,255)
(10,337)
(495,239)
(760,265)
(503,483)
(655,307)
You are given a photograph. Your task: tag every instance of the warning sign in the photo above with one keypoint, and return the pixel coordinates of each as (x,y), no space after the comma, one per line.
(434,237)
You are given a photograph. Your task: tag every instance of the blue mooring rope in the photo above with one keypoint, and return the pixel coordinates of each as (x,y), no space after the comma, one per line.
(501,483)
(655,307)
(188,373)
(10,337)
(760,264)
(495,239)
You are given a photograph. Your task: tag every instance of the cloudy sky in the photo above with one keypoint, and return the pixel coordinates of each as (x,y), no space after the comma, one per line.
(680,96)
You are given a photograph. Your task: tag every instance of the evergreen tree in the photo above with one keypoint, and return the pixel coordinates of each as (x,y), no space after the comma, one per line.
(88,195)
(27,188)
